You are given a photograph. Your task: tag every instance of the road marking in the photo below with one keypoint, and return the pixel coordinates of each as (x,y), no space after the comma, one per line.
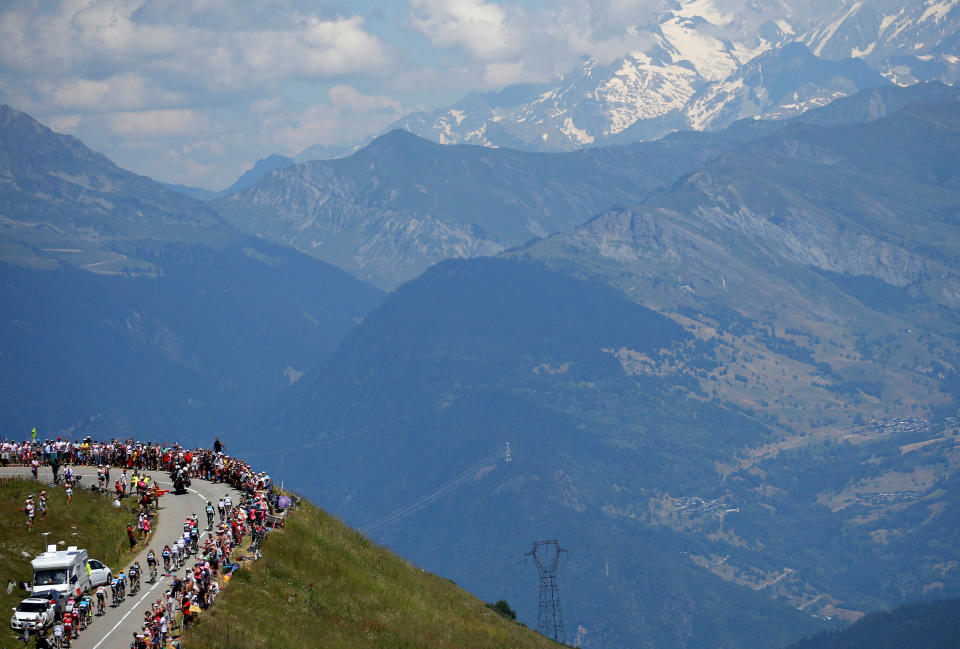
(127,614)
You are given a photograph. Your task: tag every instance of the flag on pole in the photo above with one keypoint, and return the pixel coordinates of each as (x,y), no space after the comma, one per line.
(34,432)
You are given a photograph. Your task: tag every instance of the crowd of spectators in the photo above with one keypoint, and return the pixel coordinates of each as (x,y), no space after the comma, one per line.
(207,558)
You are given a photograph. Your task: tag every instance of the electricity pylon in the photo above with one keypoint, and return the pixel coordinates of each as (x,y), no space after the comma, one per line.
(550,620)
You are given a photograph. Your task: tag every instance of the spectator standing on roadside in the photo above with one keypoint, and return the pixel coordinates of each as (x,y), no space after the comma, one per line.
(69,493)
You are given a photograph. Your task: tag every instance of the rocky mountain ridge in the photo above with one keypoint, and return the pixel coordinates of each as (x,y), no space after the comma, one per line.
(403,203)
(709,63)
(391,210)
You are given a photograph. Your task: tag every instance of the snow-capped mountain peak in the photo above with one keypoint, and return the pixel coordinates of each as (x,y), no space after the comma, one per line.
(710,62)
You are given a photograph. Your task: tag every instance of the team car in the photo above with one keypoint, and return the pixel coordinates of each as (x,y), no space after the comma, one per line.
(34,613)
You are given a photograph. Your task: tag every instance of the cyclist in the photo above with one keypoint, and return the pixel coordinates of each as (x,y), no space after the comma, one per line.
(122,585)
(58,635)
(152,564)
(195,539)
(101,599)
(67,629)
(85,607)
(166,558)
(210,511)
(135,577)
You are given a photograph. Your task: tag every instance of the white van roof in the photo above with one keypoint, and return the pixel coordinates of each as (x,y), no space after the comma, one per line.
(54,558)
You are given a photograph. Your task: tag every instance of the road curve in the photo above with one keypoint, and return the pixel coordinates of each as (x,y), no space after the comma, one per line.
(115,629)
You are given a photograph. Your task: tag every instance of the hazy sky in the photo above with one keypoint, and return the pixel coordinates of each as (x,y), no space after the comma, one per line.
(194,91)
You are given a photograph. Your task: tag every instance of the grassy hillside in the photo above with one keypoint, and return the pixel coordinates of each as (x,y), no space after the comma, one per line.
(321,584)
(88,522)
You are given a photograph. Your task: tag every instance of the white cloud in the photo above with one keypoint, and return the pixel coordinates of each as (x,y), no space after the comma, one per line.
(64,123)
(189,90)
(350,115)
(482,28)
(101,39)
(509,43)
(504,73)
(266,105)
(159,123)
(123,91)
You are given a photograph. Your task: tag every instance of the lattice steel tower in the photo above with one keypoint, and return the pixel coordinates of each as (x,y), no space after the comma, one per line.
(550,621)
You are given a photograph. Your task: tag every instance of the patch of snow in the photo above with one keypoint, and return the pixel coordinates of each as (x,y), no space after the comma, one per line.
(550,94)
(571,131)
(706,9)
(937,9)
(744,54)
(832,29)
(785,27)
(707,54)
(457,115)
(702,113)
(950,58)
(888,20)
(536,228)
(641,89)
(857,53)
(798,107)
(926,57)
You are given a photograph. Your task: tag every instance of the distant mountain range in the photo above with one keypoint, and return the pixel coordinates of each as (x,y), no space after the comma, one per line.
(131,308)
(737,399)
(403,203)
(725,362)
(709,63)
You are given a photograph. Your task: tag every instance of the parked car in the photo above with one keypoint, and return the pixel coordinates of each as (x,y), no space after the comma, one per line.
(59,601)
(99,573)
(34,613)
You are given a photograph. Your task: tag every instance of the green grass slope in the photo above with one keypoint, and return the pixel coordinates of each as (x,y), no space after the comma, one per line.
(88,522)
(321,584)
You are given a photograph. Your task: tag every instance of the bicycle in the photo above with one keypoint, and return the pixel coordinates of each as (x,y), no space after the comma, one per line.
(153,573)
(101,604)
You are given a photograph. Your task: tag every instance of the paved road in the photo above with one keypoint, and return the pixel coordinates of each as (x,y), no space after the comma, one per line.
(115,629)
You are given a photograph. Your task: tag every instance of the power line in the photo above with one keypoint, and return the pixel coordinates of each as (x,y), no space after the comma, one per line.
(428,498)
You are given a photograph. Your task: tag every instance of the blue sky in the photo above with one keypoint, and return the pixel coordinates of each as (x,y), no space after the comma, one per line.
(195,91)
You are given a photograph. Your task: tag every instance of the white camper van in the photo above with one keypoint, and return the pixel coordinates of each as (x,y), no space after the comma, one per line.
(62,570)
